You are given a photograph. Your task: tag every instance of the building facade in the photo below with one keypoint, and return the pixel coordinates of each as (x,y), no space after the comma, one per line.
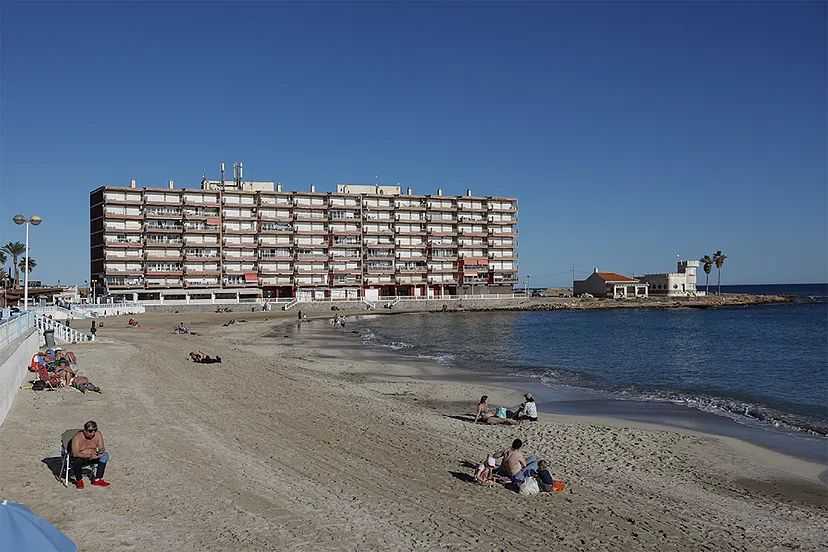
(245,239)
(681,283)
(610,284)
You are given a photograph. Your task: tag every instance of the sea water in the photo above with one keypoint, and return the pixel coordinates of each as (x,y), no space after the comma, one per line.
(765,364)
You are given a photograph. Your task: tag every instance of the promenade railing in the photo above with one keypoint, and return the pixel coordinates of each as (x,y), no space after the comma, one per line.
(12,329)
(63,332)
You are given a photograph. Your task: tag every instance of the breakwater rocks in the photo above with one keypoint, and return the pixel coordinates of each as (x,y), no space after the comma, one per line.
(708,302)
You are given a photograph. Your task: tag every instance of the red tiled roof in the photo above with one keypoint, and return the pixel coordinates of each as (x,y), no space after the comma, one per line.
(614,277)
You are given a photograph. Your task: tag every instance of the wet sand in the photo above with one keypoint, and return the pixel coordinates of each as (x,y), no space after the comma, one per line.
(311,442)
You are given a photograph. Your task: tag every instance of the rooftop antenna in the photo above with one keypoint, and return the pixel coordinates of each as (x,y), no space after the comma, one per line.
(221,170)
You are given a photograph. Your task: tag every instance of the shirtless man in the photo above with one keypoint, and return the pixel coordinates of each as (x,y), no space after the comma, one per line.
(87,447)
(515,464)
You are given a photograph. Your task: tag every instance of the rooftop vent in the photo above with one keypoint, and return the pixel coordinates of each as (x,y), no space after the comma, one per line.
(278,187)
(408,191)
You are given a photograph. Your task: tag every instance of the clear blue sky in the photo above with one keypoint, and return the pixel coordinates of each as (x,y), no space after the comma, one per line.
(629,132)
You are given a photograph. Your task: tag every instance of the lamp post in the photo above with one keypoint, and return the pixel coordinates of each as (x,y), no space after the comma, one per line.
(33,220)
(526,289)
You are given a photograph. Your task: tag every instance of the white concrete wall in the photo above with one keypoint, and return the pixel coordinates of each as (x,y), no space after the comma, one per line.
(14,361)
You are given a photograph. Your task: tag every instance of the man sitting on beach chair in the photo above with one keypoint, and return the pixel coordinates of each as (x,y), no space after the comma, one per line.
(87,448)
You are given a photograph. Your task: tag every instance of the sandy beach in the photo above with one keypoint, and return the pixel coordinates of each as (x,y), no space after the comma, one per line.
(301,439)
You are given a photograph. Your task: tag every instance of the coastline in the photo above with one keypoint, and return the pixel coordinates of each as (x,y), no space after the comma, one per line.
(304,439)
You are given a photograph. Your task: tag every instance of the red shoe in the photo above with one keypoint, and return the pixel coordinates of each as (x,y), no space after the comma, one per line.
(100,483)
(79,484)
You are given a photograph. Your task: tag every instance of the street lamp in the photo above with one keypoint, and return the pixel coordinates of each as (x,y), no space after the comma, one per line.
(526,290)
(33,220)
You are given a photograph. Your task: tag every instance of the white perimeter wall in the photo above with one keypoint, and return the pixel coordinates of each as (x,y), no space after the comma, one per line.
(14,361)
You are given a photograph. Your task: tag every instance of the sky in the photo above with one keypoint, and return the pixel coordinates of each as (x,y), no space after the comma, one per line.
(630,133)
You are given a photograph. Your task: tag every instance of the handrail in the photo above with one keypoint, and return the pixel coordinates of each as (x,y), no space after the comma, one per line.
(290,305)
(62,332)
(13,328)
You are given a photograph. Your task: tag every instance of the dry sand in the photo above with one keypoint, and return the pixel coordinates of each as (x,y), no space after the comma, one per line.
(309,442)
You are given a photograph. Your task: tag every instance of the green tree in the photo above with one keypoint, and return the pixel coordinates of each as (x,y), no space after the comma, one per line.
(16,250)
(719,260)
(22,264)
(707,266)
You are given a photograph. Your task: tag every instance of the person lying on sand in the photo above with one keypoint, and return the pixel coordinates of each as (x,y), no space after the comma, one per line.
(204,358)
(82,384)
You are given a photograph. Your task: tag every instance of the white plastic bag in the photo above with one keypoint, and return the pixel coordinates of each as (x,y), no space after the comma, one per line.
(529,487)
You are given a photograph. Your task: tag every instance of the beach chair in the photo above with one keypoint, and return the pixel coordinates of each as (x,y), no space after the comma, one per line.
(65,452)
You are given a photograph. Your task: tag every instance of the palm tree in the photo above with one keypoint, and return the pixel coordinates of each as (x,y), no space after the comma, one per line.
(22,264)
(15,249)
(719,260)
(707,266)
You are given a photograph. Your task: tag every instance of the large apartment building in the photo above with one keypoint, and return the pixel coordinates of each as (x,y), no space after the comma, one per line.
(241,239)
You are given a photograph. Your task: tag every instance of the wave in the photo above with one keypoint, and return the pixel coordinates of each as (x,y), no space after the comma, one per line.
(441,358)
(738,410)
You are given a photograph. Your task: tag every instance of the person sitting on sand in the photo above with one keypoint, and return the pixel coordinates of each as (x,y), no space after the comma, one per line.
(485,472)
(528,410)
(87,447)
(544,476)
(515,465)
(182,329)
(483,412)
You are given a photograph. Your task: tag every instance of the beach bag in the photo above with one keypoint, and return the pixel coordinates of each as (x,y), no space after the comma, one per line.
(501,412)
(529,487)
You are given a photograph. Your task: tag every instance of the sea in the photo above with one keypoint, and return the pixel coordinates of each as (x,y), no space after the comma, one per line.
(762,366)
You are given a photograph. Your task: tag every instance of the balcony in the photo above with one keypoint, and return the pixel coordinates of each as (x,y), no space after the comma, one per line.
(472,208)
(123,272)
(123,245)
(249,217)
(239,245)
(163,273)
(240,231)
(122,216)
(202,272)
(449,209)
(206,202)
(510,209)
(163,229)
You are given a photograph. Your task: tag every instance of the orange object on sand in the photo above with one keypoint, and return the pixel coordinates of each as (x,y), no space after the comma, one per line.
(558,486)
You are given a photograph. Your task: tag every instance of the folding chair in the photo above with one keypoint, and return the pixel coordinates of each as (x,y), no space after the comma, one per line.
(65,453)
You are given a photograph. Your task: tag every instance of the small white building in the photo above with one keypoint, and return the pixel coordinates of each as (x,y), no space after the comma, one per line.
(610,284)
(681,283)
